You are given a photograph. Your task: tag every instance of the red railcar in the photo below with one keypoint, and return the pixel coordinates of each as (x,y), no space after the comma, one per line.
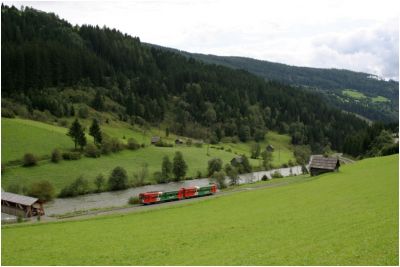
(188,192)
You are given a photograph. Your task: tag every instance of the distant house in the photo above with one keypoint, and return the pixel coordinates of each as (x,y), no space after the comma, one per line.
(320,164)
(155,139)
(270,148)
(236,161)
(178,141)
(20,205)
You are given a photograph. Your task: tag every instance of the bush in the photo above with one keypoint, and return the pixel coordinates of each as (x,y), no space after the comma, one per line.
(264,178)
(219,179)
(133,144)
(118,179)
(134,200)
(71,155)
(199,175)
(163,144)
(276,174)
(198,145)
(7,113)
(111,145)
(56,156)
(83,112)
(159,178)
(214,165)
(42,190)
(100,183)
(141,175)
(92,151)
(189,142)
(78,187)
(29,160)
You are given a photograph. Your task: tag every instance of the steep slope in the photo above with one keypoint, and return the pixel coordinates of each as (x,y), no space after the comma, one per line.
(329,82)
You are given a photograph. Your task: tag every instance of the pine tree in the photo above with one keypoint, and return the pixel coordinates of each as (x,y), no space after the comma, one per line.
(98,102)
(77,134)
(95,131)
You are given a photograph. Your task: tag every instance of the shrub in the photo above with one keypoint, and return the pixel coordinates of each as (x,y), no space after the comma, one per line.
(141,175)
(159,178)
(7,113)
(189,142)
(214,165)
(100,183)
(78,187)
(199,175)
(134,200)
(71,155)
(42,190)
(56,156)
(83,112)
(29,160)
(264,178)
(92,151)
(219,179)
(133,144)
(276,174)
(163,144)
(111,145)
(118,179)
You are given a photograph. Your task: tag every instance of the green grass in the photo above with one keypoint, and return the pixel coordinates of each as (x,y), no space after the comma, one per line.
(354,94)
(21,136)
(345,218)
(283,149)
(65,172)
(379,99)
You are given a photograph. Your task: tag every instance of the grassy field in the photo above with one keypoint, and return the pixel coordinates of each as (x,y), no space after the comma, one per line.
(354,94)
(380,99)
(345,218)
(20,136)
(65,172)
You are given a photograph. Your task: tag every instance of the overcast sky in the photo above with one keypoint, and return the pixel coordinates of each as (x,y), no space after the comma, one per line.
(355,35)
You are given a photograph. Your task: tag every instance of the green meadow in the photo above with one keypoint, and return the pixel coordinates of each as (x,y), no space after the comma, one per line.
(20,136)
(345,218)
(354,94)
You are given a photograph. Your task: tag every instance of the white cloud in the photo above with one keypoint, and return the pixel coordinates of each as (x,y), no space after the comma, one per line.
(357,35)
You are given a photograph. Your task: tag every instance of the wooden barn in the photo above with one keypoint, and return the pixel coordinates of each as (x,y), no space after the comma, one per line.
(19,205)
(155,139)
(236,161)
(320,164)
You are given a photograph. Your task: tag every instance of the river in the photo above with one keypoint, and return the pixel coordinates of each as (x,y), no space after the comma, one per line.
(120,198)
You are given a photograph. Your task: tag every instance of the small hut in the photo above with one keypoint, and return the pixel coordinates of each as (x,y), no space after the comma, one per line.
(320,164)
(236,161)
(155,139)
(270,148)
(19,205)
(178,141)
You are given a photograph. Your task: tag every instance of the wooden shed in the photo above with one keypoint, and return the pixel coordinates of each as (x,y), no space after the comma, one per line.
(320,164)
(155,139)
(236,161)
(20,205)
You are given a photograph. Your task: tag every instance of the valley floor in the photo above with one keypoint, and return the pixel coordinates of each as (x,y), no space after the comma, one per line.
(345,218)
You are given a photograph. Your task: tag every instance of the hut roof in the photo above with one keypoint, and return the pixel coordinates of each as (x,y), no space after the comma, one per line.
(155,139)
(321,162)
(19,199)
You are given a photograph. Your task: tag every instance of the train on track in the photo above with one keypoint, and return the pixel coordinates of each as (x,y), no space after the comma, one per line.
(182,193)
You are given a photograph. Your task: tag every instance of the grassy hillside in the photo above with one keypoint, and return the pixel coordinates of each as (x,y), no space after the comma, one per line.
(345,218)
(22,136)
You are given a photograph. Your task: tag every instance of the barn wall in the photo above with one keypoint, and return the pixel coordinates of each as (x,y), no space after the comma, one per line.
(13,211)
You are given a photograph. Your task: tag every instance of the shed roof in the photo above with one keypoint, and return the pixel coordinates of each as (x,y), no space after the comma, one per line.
(155,139)
(19,199)
(321,162)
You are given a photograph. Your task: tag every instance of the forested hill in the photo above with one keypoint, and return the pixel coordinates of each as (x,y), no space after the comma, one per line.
(50,65)
(379,99)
